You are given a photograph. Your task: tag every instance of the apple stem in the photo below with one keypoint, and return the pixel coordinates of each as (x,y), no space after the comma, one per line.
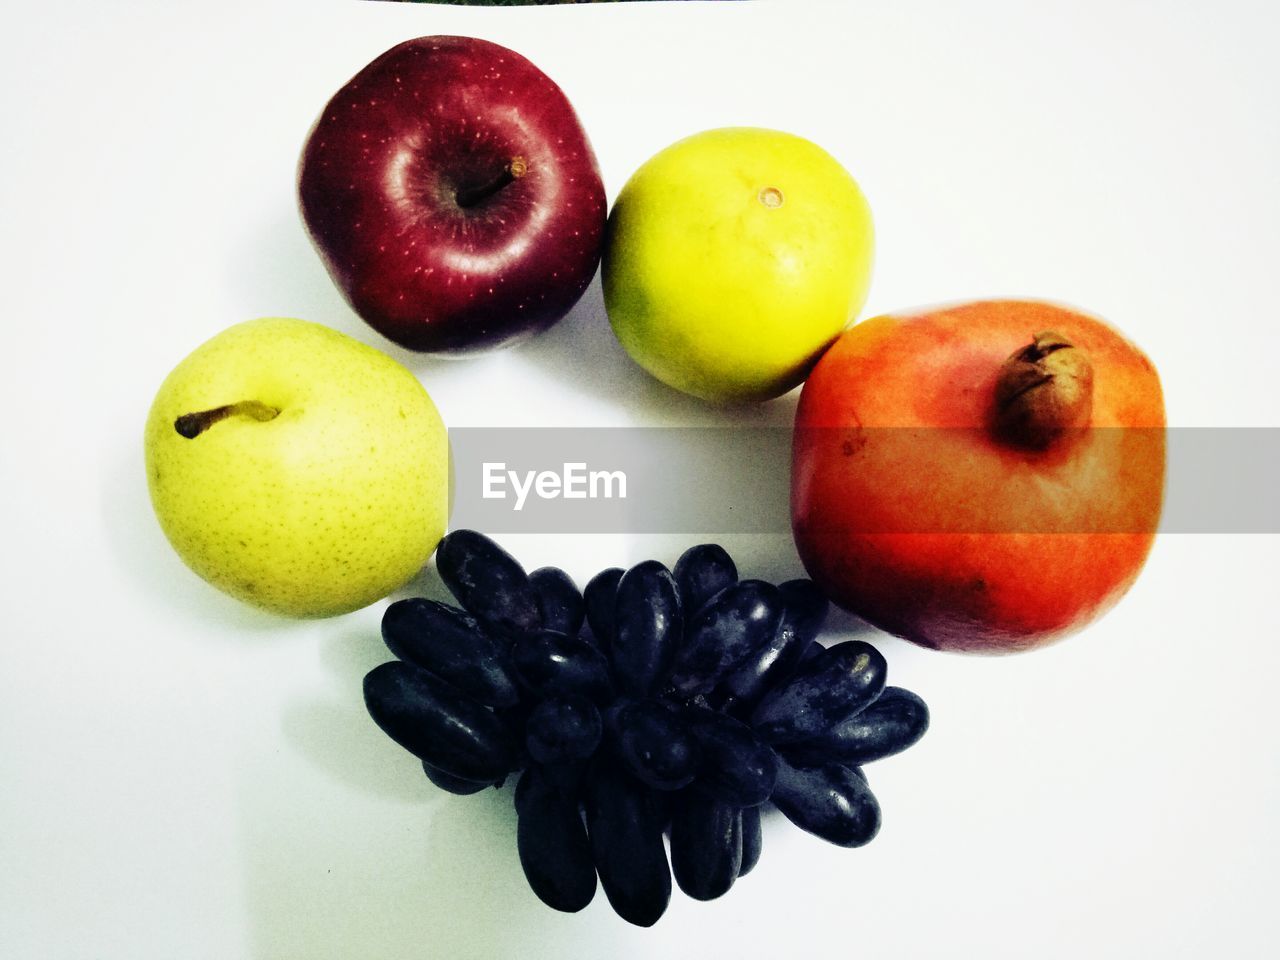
(513,171)
(1042,391)
(191,425)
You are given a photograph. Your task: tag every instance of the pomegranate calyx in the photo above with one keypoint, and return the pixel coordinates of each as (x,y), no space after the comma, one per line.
(1042,391)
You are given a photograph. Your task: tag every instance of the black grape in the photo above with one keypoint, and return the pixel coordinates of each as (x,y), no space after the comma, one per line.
(752,839)
(451,645)
(693,700)
(647,627)
(436,723)
(599,596)
(567,778)
(552,841)
(728,631)
(736,766)
(489,582)
(834,685)
(896,720)
(832,802)
(452,784)
(550,664)
(563,729)
(701,573)
(804,610)
(706,845)
(559,600)
(625,829)
(655,744)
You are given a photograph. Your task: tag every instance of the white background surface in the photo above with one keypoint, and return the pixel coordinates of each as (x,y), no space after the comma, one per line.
(183,777)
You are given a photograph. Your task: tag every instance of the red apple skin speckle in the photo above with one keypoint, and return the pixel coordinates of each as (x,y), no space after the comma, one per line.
(432,122)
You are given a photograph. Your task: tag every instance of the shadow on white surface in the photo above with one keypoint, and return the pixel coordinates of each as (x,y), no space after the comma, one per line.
(582,353)
(429,875)
(842,625)
(333,731)
(436,878)
(275,271)
(426,583)
(145,558)
(581,350)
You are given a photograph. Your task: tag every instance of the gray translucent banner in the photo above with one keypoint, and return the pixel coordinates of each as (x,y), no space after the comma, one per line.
(734,480)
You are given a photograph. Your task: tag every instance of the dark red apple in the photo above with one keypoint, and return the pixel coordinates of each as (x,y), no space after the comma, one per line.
(453,195)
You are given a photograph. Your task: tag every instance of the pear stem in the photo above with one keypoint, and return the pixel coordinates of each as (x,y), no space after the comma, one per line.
(470,196)
(1042,391)
(191,425)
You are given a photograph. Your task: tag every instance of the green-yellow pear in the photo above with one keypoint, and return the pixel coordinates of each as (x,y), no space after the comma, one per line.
(296,468)
(733,259)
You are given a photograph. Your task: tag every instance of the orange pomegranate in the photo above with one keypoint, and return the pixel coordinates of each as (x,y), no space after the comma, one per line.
(985,477)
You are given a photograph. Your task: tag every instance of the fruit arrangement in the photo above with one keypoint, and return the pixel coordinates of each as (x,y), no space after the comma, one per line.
(985,477)
(691,699)
(456,201)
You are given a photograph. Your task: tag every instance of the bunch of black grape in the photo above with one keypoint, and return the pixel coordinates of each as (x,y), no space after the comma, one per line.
(691,699)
